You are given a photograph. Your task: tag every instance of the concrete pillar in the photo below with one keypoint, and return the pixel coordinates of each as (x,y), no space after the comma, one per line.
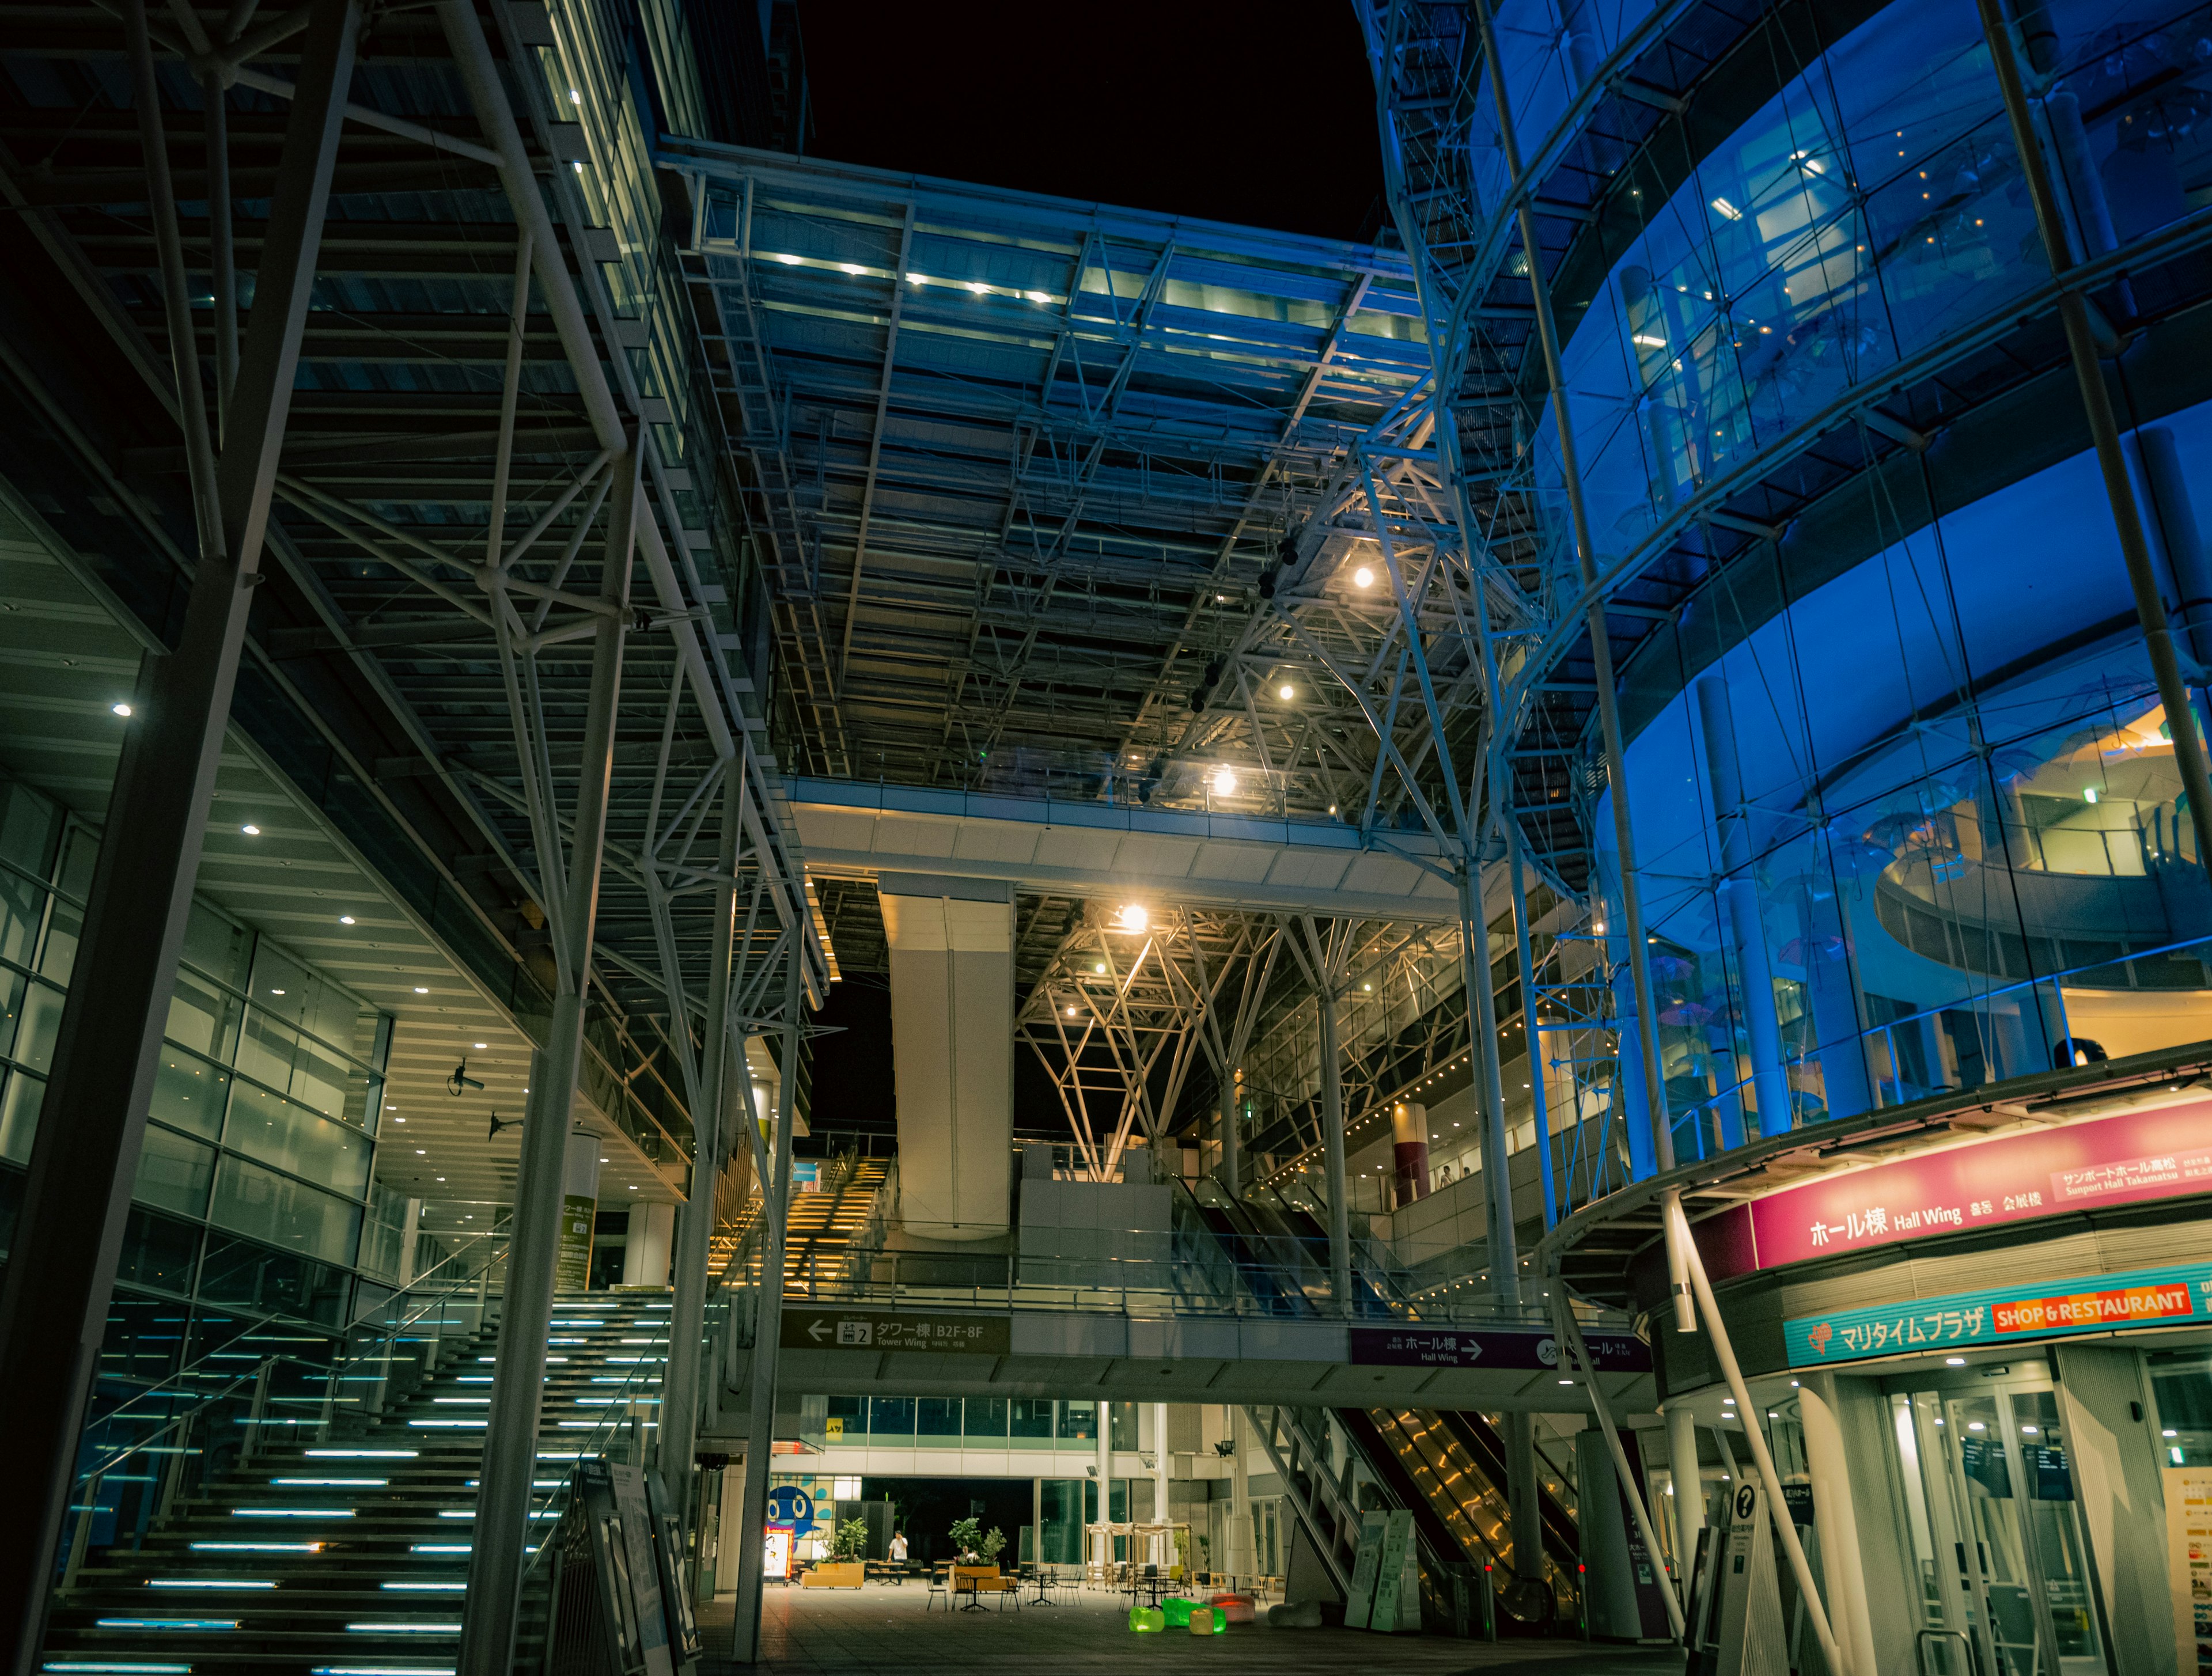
(1523,1502)
(1689,1497)
(1105,1469)
(580,1210)
(652,1238)
(952,1052)
(1243,1554)
(1843,1571)
(1164,1547)
(1739,894)
(1409,1150)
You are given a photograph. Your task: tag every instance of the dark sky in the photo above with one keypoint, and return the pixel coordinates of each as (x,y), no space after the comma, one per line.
(1253,111)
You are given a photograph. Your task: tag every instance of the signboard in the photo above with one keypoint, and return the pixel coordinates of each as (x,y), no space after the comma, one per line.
(2099,1305)
(1366,1562)
(2129,1158)
(1397,1579)
(813,1327)
(628,1486)
(2189,1561)
(792,1508)
(1532,1350)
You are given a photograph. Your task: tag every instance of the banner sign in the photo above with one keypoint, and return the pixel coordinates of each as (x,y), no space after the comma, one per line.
(2101,1303)
(1531,1350)
(2129,1158)
(808,1327)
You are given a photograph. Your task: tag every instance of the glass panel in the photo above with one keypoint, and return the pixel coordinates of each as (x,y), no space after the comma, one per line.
(173,1172)
(937,1417)
(848,1418)
(287,1213)
(890,1417)
(203,1017)
(41,1023)
(80,851)
(268,1047)
(217,946)
(1994,1526)
(2182,1387)
(986,1420)
(1029,1418)
(2055,1525)
(28,821)
(158,1251)
(1123,1417)
(1079,1419)
(189,1093)
(281,1132)
(19,1115)
(243,1274)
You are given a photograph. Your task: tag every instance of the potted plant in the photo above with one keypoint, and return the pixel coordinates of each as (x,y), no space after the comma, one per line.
(994,1541)
(849,1542)
(966,1536)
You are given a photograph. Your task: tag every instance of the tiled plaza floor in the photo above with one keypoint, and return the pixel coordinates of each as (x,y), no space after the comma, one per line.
(881,1629)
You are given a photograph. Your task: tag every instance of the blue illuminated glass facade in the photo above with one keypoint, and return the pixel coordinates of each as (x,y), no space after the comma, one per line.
(1905,810)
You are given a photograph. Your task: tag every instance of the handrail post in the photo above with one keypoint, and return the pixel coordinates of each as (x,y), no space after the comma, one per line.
(81,1535)
(247,1448)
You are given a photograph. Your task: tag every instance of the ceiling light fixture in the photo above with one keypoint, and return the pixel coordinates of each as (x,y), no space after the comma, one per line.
(120,709)
(1362,577)
(251,830)
(1224,781)
(345,918)
(1286,692)
(1135,918)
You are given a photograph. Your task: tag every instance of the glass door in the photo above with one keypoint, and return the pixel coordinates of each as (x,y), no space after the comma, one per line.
(1996,1533)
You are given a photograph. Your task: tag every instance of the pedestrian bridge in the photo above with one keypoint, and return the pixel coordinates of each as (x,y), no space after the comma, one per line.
(1085,848)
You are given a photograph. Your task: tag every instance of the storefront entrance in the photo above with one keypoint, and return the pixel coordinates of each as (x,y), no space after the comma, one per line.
(1997,1536)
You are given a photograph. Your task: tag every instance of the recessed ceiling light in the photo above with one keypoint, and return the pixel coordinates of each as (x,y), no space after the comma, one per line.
(421,1153)
(251,830)
(120,709)
(345,918)
(276,991)
(421,989)
(480,1044)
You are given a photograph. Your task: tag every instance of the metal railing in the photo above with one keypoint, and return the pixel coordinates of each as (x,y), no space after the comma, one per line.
(212,1414)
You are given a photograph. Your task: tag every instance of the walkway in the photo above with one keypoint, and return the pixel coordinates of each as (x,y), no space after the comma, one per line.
(885,1630)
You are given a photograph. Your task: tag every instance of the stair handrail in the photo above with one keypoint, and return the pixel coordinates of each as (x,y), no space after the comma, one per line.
(169,1384)
(547,1505)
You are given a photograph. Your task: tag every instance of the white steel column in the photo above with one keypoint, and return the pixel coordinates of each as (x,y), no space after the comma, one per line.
(679,1405)
(1834,1517)
(500,1532)
(1104,1418)
(1243,1561)
(768,1314)
(1689,1487)
(1755,1437)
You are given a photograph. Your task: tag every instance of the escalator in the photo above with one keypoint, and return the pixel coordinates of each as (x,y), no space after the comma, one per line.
(1449,1466)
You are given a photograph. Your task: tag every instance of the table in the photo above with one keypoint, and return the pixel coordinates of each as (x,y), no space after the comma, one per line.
(1045,1576)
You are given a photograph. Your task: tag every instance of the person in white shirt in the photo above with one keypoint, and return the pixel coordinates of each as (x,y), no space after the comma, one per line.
(898,1548)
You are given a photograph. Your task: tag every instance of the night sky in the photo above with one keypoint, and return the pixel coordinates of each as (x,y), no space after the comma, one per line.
(1258,113)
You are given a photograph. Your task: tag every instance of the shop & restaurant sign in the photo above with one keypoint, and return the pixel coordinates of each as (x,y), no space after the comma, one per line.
(2012,1314)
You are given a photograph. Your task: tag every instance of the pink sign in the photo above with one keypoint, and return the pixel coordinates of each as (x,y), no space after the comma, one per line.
(2121,1160)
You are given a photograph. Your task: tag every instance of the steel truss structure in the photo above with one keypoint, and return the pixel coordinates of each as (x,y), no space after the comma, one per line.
(435,483)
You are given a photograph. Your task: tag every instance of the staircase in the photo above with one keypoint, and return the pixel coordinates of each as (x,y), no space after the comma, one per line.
(819,1229)
(349,1553)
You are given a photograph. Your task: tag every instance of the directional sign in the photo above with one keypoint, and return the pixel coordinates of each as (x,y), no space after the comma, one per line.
(811,1327)
(789,1505)
(1415,1346)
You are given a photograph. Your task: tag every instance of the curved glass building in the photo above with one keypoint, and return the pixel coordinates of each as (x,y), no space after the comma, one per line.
(1907,816)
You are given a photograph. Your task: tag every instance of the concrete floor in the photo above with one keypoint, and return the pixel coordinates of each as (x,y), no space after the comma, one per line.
(882,1628)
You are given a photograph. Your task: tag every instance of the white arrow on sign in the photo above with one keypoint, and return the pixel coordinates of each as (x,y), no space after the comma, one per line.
(819,1329)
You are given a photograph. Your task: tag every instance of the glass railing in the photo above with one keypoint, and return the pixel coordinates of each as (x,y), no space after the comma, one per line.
(139,1457)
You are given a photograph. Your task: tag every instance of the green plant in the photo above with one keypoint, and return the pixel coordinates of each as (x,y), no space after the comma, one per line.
(850,1540)
(994,1541)
(966,1536)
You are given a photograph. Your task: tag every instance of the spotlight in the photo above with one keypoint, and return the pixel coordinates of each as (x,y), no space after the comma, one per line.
(1224,782)
(1362,577)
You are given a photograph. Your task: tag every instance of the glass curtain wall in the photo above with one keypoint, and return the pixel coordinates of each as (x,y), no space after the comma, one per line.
(255,1176)
(1907,816)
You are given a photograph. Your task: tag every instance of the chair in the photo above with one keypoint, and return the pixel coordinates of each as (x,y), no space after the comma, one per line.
(940,1588)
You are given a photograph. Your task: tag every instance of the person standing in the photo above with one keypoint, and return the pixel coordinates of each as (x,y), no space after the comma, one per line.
(898,1556)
